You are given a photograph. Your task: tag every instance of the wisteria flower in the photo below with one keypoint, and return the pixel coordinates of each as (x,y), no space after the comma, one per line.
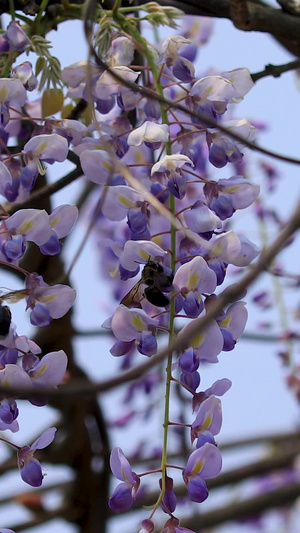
(218,388)
(30,468)
(232,249)
(224,149)
(61,221)
(172,526)
(203,463)
(193,279)
(49,371)
(171,163)
(211,95)
(169,501)
(118,200)
(200,219)
(125,493)
(151,133)
(42,148)
(24,73)
(241,80)
(209,417)
(137,252)
(12,93)
(170,168)
(108,85)
(134,324)
(16,37)
(97,165)
(13,344)
(181,67)
(47,301)
(208,344)
(147,526)
(232,324)
(23,226)
(122,51)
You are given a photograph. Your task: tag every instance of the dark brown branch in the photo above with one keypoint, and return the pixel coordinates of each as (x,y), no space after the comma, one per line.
(260,16)
(240,14)
(276,70)
(290,6)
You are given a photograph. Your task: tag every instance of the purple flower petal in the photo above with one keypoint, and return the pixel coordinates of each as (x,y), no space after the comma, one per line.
(121,499)
(32,474)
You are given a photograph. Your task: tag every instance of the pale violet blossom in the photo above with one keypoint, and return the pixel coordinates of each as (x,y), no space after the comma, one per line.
(118,200)
(171,163)
(149,132)
(137,252)
(241,80)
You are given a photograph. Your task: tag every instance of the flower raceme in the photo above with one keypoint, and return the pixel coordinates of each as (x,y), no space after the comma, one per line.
(170,155)
(171,158)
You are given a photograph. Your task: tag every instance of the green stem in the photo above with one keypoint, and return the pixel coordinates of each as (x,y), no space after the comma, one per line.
(116,8)
(9,62)
(12,9)
(43,7)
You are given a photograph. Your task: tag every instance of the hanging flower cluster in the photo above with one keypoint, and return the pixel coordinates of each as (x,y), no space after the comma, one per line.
(22,365)
(160,209)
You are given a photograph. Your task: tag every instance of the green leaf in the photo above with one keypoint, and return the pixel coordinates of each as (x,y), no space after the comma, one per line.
(52,101)
(40,64)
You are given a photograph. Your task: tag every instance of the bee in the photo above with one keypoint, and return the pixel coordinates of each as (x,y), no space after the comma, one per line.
(5,313)
(157,279)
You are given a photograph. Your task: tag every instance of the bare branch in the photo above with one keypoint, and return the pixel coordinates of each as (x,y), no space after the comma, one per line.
(276,70)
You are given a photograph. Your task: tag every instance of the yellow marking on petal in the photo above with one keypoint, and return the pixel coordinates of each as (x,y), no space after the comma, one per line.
(47,299)
(107,165)
(41,371)
(225,322)
(25,227)
(125,201)
(193,281)
(232,189)
(39,149)
(144,254)
(197,469)
(54,222)
(43,146)
(207,422)
(138,323)
(217,249)
(197,341)
(158,240)
(229,152)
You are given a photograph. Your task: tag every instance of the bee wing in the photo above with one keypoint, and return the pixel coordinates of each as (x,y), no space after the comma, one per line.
(14,296)
(134,296)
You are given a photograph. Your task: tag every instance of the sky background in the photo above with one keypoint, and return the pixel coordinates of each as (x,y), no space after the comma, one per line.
(259,401)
